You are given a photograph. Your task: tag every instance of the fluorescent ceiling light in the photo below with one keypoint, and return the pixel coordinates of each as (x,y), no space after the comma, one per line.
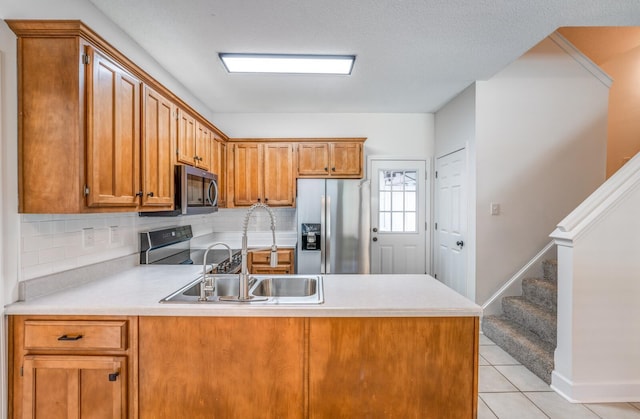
(289,64)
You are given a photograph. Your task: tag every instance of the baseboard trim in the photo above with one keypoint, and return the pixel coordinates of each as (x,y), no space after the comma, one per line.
(595,392)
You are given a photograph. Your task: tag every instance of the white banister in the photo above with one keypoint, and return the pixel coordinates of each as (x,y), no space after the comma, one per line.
(596,358)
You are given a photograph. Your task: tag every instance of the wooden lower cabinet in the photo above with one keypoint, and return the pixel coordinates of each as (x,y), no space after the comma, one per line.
(393,367)
(260,262)
(243,367)
(223,367)
(74,387)
(72,367)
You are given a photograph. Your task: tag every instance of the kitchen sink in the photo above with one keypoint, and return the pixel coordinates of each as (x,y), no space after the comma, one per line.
(284,286)
(272,290)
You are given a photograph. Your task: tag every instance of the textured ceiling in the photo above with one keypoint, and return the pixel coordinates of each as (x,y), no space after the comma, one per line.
(412,55)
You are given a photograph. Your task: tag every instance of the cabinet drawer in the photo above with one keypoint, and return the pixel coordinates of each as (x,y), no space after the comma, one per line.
(75,334)
(263,257)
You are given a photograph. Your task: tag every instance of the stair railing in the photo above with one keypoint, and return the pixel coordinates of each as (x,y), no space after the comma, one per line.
(513,286)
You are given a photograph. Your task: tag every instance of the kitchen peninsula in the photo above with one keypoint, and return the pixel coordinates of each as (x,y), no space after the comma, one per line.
(379,346)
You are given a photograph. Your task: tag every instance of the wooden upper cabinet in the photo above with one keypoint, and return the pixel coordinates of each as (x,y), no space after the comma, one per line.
(341,159)
(313,159)
(247,174)
(113,133)
(158,142)
(263,173)
(203,146)
(186,141)
(346,159)
(219,167)
(95,132)
(278,176)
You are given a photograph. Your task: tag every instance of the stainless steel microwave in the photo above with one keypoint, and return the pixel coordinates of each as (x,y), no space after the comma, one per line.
(195,192)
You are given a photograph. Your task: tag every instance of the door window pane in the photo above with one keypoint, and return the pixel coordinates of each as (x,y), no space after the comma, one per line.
(397,201)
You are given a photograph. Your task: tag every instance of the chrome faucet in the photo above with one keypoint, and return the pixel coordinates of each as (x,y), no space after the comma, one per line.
(244,273)
(210,285)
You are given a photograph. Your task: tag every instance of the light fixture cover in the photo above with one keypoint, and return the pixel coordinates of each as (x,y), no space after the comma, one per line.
(287,63)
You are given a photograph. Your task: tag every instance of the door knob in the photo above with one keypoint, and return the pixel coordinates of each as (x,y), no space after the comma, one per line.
(375,239)
(460,243)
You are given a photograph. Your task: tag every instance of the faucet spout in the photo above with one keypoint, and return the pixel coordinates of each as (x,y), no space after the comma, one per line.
(244,273)
(205,286)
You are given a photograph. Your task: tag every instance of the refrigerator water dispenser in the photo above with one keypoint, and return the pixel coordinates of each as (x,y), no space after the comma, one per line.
(310,236)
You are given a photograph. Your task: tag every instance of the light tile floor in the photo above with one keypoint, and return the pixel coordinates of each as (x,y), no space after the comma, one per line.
(509,390)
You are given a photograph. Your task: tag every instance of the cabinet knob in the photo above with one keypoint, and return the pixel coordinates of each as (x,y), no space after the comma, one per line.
(266,200)
(113,376)
(139,194)
(375,239)
(333,169)
(326,169)
(150,194)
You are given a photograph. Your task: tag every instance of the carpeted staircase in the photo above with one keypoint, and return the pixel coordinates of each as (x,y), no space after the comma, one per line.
(527,329)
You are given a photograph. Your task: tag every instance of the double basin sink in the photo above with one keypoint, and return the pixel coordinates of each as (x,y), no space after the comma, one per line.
(267,289)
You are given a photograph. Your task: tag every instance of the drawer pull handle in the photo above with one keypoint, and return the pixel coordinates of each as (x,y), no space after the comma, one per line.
(114,376)
(70,337)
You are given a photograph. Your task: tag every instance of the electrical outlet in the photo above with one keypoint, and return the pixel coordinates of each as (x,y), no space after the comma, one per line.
(88,237)
(495,209)
(114,235)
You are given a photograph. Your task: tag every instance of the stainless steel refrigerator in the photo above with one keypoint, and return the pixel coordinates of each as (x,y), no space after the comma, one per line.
(333,226)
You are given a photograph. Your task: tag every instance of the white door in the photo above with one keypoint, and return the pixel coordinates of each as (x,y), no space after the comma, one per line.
(398,217)
(450,221)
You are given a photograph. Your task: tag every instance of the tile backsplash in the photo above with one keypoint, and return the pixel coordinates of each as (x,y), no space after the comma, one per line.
(52,243)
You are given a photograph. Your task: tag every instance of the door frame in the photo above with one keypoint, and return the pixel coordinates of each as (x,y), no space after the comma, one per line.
(428,162)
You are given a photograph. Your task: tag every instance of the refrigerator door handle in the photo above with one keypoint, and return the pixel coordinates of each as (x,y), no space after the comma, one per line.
(322,234)
(327,241)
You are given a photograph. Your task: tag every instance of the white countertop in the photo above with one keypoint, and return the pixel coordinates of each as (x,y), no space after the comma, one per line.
(137,291)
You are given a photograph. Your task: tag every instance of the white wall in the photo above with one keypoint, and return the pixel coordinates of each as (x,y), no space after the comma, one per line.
(398,135)
(455,123)
(541,129)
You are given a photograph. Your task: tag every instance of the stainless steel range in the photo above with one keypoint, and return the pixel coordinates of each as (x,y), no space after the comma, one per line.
(171,246)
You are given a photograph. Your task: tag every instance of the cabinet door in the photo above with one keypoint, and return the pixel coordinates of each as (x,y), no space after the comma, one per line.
(74,387)
(346,159)
(278,177)
(247,174)
(186,141)
(223,367)
(424,366)
(203,147)
(158,141)
(219,167)
(313,159)
(113,133)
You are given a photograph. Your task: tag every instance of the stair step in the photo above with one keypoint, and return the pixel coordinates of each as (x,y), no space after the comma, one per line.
(532,317)
(524,346)
(550,270)
(541,292)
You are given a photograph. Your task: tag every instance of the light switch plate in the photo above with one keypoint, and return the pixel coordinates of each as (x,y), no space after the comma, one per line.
(495,209)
